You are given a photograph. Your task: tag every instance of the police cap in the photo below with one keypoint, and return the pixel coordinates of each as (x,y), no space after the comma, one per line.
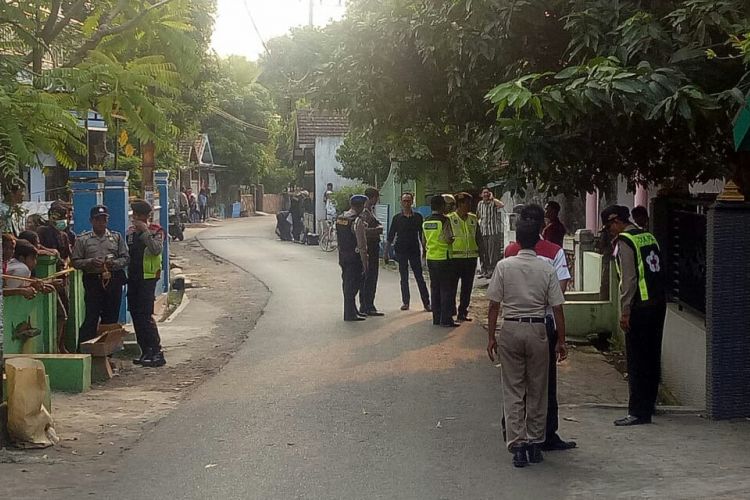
(358,199)
(141,207)
(614,212)
(98,210)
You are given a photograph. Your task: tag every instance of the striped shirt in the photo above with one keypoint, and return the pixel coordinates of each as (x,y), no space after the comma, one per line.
(490,218)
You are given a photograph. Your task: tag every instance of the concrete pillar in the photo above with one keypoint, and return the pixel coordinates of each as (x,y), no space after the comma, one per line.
(116,199)
(641,196)
(727,310)
(88,191)
(583,242)
(592,211)
(161,182)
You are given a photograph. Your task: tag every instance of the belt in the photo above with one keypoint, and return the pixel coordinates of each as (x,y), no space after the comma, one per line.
(525,320)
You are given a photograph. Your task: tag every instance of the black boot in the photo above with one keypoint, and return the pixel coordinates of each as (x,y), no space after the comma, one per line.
(519,456)
(535,453)
(145,354)
(155,360)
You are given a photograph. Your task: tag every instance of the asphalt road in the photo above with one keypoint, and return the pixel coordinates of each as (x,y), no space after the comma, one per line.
(312,407)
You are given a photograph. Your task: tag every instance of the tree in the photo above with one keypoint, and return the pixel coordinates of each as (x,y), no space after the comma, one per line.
(124,58)
(239,127)
(646,90)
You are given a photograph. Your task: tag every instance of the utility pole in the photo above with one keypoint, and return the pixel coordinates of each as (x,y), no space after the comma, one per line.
(310,12)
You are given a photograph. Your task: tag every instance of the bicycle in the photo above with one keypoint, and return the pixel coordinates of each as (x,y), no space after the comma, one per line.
(327,240)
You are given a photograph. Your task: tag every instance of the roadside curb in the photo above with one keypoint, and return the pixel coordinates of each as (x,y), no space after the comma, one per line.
(663,410)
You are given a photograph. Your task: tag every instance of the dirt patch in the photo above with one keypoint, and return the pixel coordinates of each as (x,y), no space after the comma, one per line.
(97,427)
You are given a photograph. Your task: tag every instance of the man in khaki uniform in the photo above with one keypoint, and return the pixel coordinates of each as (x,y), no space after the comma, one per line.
(524,286)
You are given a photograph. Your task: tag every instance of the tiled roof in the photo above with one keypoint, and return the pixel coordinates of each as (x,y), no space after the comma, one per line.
(312,124)
(190,150)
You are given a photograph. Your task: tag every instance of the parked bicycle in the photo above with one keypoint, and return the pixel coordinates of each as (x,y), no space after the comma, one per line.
(327,241)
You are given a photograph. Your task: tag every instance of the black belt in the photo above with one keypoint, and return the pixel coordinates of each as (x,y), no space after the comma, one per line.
(525,320)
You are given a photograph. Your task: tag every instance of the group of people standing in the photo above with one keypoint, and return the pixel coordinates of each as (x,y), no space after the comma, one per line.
(527,289)
(108,261)
(195,206)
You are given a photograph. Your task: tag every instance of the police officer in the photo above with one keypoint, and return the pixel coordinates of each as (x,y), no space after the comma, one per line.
(464,251)
(145,244)
(102,255)
(643,306)
(353,259)
(438,239)
(373,232)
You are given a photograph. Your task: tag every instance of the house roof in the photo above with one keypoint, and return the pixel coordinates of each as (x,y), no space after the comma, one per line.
(312,124)
(195,151)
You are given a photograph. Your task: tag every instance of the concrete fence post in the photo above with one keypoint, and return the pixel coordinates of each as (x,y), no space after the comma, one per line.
(116,194)
(88,191)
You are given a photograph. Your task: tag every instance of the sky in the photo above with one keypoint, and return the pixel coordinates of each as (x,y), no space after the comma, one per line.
(234,34)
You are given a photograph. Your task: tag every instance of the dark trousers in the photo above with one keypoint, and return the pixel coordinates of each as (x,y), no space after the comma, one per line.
(370,285)
(141,306)
(351,278)
(552,412)
(297,227)
(441,279)
(101,303)
(414,260)
(643,349)
(464,270)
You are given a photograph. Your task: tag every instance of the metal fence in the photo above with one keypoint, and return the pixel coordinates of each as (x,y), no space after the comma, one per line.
(681,229)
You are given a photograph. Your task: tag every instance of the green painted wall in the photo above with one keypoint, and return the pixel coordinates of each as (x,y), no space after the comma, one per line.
(42,311)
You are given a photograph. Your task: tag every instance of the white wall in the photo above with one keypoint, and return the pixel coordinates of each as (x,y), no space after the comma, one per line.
(684,356)
(325,170)
(37,184)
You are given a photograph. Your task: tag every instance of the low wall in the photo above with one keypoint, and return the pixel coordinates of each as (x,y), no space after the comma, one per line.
(684,356)
(592,272)
(272,203)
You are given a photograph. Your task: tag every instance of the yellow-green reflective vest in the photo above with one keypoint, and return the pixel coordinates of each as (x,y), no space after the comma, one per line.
(648,263)
(465,236)
(433,230)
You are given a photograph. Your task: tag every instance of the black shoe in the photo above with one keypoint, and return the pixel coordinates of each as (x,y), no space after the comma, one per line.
(632,420)
(358,318)
(452,324)
(557,444)
(465,318)
(155,361)
(535,453)
(145,354)
(519,457)
(361,314)
(427,308)
(404,307)
(375,313)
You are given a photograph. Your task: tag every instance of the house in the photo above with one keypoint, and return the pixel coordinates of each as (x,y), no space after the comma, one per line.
(318,136)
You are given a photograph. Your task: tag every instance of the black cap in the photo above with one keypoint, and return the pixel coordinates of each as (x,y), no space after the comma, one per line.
(613,212)
(141,207)
(98,210)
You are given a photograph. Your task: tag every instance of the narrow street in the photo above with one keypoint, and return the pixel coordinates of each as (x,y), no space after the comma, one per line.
(312,407)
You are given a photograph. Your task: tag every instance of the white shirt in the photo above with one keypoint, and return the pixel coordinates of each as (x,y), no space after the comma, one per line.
(17,268)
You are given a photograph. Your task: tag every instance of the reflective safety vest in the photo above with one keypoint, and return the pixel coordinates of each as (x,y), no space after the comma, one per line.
(432,228)
(346,239)
(648,263)
(465,236)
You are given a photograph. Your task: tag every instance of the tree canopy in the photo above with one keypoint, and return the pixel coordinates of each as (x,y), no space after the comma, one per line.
(567,94)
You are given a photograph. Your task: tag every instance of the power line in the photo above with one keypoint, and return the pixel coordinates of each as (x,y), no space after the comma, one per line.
(220,112)
(255,27)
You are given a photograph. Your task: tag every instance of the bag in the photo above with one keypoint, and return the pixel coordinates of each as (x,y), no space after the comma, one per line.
(29,423)
(313,239)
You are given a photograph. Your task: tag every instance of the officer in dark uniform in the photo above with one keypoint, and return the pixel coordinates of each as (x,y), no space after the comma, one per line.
(643,305)
(102,256)
(145,245)
(350,232)
(373,232)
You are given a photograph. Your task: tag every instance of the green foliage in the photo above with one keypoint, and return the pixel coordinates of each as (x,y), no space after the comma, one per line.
(249,152)
(364,159)
(125,58)
(342,195)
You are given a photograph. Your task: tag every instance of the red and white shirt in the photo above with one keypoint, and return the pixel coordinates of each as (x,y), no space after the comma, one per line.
(547,251)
